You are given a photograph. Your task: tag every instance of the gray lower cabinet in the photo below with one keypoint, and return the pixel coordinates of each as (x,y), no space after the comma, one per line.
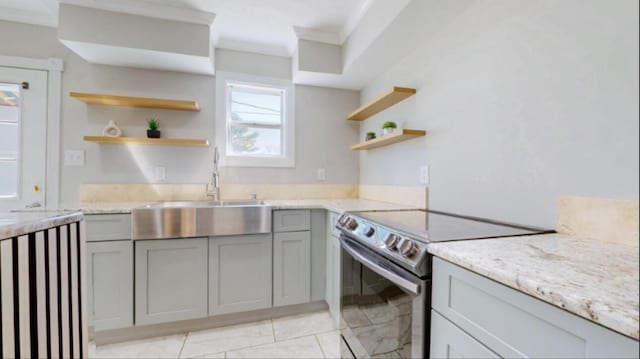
(513,324)
(239,273)
(449,341)
(333,267)
(110,284)
(291,268)
(171,280)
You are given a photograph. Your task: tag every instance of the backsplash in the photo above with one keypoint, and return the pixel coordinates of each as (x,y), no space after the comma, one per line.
(415,196)
(176,192)
(610,220)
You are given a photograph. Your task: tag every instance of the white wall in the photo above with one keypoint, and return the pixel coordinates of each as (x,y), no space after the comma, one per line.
(523,100)
(322,134)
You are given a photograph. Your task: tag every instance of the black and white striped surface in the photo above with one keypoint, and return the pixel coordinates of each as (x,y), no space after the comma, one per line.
(41,294)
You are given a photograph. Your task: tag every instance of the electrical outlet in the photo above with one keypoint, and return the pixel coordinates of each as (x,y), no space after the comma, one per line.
(424,175)
(160,174)
(74,158)
(321,174)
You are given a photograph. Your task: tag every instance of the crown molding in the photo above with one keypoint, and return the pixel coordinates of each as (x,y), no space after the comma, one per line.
(149,9)
(28,17)
(353,20)
(305,33)
(337,38)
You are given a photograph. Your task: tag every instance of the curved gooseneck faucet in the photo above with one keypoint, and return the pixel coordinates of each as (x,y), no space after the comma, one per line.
(213,188)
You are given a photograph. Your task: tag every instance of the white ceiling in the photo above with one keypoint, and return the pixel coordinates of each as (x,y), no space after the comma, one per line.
(263,26)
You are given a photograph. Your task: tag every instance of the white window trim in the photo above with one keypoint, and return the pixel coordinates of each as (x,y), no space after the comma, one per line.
(288,126)
(54,68)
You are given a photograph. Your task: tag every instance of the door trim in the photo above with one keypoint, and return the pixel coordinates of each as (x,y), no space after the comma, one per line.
(54,68)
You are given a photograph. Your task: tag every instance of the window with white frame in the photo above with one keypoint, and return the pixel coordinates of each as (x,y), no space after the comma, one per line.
(9,139)
(255,127)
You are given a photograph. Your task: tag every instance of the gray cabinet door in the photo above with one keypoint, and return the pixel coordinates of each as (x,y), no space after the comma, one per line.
(449,341)
(514,324)
(291,268)
(318,253)
(171,280)
(333,271)
(239,273)
(110,284)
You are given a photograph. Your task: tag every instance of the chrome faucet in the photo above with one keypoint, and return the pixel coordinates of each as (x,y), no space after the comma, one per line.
(213,187)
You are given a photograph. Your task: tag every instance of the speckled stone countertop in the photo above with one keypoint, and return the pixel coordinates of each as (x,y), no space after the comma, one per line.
(335,205)
(13,224)
(594,279)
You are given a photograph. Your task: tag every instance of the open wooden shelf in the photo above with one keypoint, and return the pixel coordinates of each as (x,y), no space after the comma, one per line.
(148,141)
(395,137)
(388,99)
(127,101)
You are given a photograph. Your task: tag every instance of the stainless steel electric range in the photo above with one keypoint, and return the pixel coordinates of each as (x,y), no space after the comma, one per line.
(386,270)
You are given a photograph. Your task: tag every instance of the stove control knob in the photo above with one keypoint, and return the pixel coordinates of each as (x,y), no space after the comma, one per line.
(370,232)
(408,248)
(392,241)
(352,224)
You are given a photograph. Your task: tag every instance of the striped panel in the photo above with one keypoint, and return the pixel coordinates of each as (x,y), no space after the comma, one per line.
(42,302)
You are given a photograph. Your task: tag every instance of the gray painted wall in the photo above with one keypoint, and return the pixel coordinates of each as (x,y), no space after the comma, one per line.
(323,136)
(523,100)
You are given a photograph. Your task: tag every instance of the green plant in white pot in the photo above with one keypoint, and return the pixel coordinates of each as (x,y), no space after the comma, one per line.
(388,127)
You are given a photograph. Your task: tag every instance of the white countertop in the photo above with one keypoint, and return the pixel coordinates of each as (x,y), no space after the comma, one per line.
(594,279)
(14,224)
(335,205)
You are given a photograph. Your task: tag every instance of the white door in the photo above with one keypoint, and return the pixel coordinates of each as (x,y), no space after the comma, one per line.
(23,137)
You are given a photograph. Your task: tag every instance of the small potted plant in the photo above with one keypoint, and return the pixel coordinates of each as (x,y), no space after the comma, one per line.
(370,136)
(153,131)
(388,127)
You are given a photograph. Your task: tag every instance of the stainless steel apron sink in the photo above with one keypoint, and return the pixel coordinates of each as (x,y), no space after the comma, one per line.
(200,219)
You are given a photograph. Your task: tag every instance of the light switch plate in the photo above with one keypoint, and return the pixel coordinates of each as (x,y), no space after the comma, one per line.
(160,173)
(321,174)
(74,158)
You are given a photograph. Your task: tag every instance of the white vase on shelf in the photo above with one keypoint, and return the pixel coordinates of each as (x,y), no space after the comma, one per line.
(112,130)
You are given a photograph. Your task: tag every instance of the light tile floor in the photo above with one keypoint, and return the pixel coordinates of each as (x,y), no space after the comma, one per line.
(310,335)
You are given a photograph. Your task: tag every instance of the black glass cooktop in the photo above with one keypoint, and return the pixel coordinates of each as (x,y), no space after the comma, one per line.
(433,226)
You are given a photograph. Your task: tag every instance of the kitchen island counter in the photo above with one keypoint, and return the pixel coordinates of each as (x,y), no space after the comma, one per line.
(593,279)
(14,224)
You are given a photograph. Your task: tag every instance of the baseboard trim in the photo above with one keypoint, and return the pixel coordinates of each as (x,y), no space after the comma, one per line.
(165,329)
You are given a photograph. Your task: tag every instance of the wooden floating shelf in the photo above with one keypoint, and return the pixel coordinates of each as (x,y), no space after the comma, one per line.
(397,136)
(148,141)
(127,101)
(388,99)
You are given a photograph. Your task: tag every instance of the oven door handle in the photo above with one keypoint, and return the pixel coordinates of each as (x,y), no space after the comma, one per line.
(402,282)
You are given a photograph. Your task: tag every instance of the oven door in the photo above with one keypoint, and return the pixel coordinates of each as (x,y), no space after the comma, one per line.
(383,308)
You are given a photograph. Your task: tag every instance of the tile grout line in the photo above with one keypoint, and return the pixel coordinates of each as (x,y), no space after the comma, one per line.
(324,355)
(273,331)
(184,341)
(263,344)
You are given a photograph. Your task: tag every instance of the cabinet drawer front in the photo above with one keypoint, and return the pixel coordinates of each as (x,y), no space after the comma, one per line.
(449,341)
(332,220)
(513,324)
(292,220)
(110,284)
(108,227)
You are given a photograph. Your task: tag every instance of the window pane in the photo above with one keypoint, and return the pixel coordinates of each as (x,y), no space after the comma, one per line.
(8,179)
(256,106)
(257,141)
(8,140)
(9,98)
(9,132)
